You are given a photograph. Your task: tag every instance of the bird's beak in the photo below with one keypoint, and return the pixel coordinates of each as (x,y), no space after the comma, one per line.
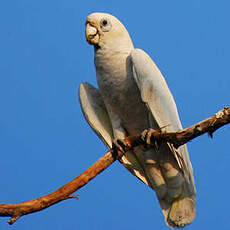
(91,34)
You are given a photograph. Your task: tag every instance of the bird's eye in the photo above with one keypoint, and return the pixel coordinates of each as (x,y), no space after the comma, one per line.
(104,22)
(105,25)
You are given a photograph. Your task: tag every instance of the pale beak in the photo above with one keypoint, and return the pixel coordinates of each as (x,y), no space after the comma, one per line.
(91,34)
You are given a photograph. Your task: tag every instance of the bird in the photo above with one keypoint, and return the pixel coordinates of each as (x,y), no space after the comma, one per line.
(132,97)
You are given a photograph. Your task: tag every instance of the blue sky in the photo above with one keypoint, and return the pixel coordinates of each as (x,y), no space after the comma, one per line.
(44,139)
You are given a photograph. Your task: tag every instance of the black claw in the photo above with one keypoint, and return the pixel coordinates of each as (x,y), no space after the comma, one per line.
(210,133)
(114,151)
(119,145)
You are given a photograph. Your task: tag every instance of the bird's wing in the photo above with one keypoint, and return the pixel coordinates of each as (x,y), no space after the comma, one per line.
(96,115)
(159,100)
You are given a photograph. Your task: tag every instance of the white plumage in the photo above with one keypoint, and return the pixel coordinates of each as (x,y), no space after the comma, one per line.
(133,96)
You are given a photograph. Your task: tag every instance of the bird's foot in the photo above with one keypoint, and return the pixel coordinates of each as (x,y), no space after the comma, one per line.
(148,137)
(119,145)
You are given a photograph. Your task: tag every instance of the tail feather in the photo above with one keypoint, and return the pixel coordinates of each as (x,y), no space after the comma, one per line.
(176,193)
(181,211)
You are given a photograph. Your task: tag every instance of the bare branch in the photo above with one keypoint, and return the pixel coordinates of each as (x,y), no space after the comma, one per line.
(15,211)
(209,125)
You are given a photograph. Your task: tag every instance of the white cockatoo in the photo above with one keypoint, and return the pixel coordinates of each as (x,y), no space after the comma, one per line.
(132,97)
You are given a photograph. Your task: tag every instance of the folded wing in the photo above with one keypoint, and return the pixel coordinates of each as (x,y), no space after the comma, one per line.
(160,102)
(96,115)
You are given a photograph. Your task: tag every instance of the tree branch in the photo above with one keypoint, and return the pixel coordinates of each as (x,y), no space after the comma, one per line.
(211,124)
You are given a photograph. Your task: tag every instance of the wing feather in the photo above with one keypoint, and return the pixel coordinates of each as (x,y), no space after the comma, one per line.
(95,113)
(160,102)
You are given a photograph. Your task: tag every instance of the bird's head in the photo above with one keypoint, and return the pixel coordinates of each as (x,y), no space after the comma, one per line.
(105,30)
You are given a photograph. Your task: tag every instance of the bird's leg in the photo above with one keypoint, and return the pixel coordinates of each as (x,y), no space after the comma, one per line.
(119,133)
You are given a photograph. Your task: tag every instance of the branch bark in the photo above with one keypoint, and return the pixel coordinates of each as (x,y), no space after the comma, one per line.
(209,125)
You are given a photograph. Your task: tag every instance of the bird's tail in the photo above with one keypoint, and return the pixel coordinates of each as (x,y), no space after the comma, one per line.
(175,191)
(181,211)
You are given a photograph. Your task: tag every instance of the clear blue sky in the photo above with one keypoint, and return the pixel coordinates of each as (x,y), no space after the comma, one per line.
(44,139)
